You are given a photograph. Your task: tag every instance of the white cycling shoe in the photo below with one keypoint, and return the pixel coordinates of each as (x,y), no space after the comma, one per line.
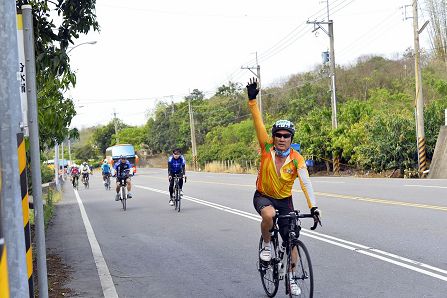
(266,253)
(294,288)
(171,202)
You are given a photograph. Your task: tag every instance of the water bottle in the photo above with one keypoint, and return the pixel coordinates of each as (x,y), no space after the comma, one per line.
(282,261)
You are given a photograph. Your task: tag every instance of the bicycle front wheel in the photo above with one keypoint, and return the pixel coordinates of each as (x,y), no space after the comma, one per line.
(301,271)
(269,273)
(175,198)
(124,198)
(179,200)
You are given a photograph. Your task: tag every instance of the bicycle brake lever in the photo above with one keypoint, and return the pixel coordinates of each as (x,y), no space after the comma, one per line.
(316,222)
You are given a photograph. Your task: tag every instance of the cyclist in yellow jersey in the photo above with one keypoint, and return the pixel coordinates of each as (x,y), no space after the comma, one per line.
(280,166)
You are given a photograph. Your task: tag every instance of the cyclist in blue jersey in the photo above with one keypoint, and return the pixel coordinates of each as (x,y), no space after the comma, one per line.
(122,169)
(106,170)
(176,166)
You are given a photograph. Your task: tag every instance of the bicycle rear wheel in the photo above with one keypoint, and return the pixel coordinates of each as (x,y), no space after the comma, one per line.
(179,200)
(302,272)
(269,273)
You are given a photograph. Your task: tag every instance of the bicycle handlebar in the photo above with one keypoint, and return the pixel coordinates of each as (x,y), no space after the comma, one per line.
(296,214)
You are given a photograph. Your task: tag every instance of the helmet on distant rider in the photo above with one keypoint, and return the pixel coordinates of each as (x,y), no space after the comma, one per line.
(177,151)
(84,163)
(105,161)
(283,125)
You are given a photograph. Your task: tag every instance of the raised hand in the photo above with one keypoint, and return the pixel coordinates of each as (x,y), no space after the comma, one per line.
(252,88)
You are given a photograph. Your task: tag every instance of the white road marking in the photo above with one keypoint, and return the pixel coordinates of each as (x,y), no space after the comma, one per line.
(352,246)
(108,288)
(429,186)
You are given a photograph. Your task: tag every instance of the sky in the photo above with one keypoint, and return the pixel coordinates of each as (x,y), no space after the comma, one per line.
(159,51)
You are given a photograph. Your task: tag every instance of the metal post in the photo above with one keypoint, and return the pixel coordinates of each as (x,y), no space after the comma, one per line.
(56,165)
(10,118)
(419,96)
(62,154)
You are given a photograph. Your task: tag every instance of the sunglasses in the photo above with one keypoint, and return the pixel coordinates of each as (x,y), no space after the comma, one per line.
(280,135)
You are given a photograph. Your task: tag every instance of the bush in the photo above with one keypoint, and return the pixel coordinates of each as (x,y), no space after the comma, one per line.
(47,173)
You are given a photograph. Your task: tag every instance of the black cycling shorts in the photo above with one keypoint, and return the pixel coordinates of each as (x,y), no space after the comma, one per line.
(119,179)
(284,206)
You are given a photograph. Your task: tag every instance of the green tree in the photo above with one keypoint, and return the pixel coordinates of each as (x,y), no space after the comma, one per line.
(314,134)
(233,142)
(104,136)
(133,135)
(53,73)
(86,152)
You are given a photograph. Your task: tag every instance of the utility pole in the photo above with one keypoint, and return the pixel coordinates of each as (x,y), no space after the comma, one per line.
(258,76)
(419,96)
(11,216)
(33,126)
(116,127)
(193,135)
(330,33)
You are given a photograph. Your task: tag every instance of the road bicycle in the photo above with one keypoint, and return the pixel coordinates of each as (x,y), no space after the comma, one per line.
(107,182)
(177,192)
(123,192)
(282,265)
(75,181)
(85,180)
(177,196)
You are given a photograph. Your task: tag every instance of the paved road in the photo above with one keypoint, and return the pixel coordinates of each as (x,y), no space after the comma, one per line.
(380,238)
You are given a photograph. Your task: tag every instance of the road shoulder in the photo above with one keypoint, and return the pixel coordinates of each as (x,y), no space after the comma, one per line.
(67,238)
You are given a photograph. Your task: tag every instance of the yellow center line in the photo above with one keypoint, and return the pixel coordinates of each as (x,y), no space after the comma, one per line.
(379,201)
(334,195)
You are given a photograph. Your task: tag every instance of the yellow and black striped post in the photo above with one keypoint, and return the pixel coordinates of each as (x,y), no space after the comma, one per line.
(422,157)
(25,207)
(4,285)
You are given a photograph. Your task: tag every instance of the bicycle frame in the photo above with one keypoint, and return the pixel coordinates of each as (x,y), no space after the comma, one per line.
(123,193)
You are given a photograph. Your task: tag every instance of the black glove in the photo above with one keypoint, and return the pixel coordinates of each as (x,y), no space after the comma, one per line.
(252,89)
(315,211)
(316,214)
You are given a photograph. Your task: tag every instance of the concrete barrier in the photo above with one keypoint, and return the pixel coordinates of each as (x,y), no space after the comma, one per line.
(438,167)
(45,188)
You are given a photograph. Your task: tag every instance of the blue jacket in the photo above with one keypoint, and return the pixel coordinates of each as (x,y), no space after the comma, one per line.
(105,167)
(122,169)
(176,166)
